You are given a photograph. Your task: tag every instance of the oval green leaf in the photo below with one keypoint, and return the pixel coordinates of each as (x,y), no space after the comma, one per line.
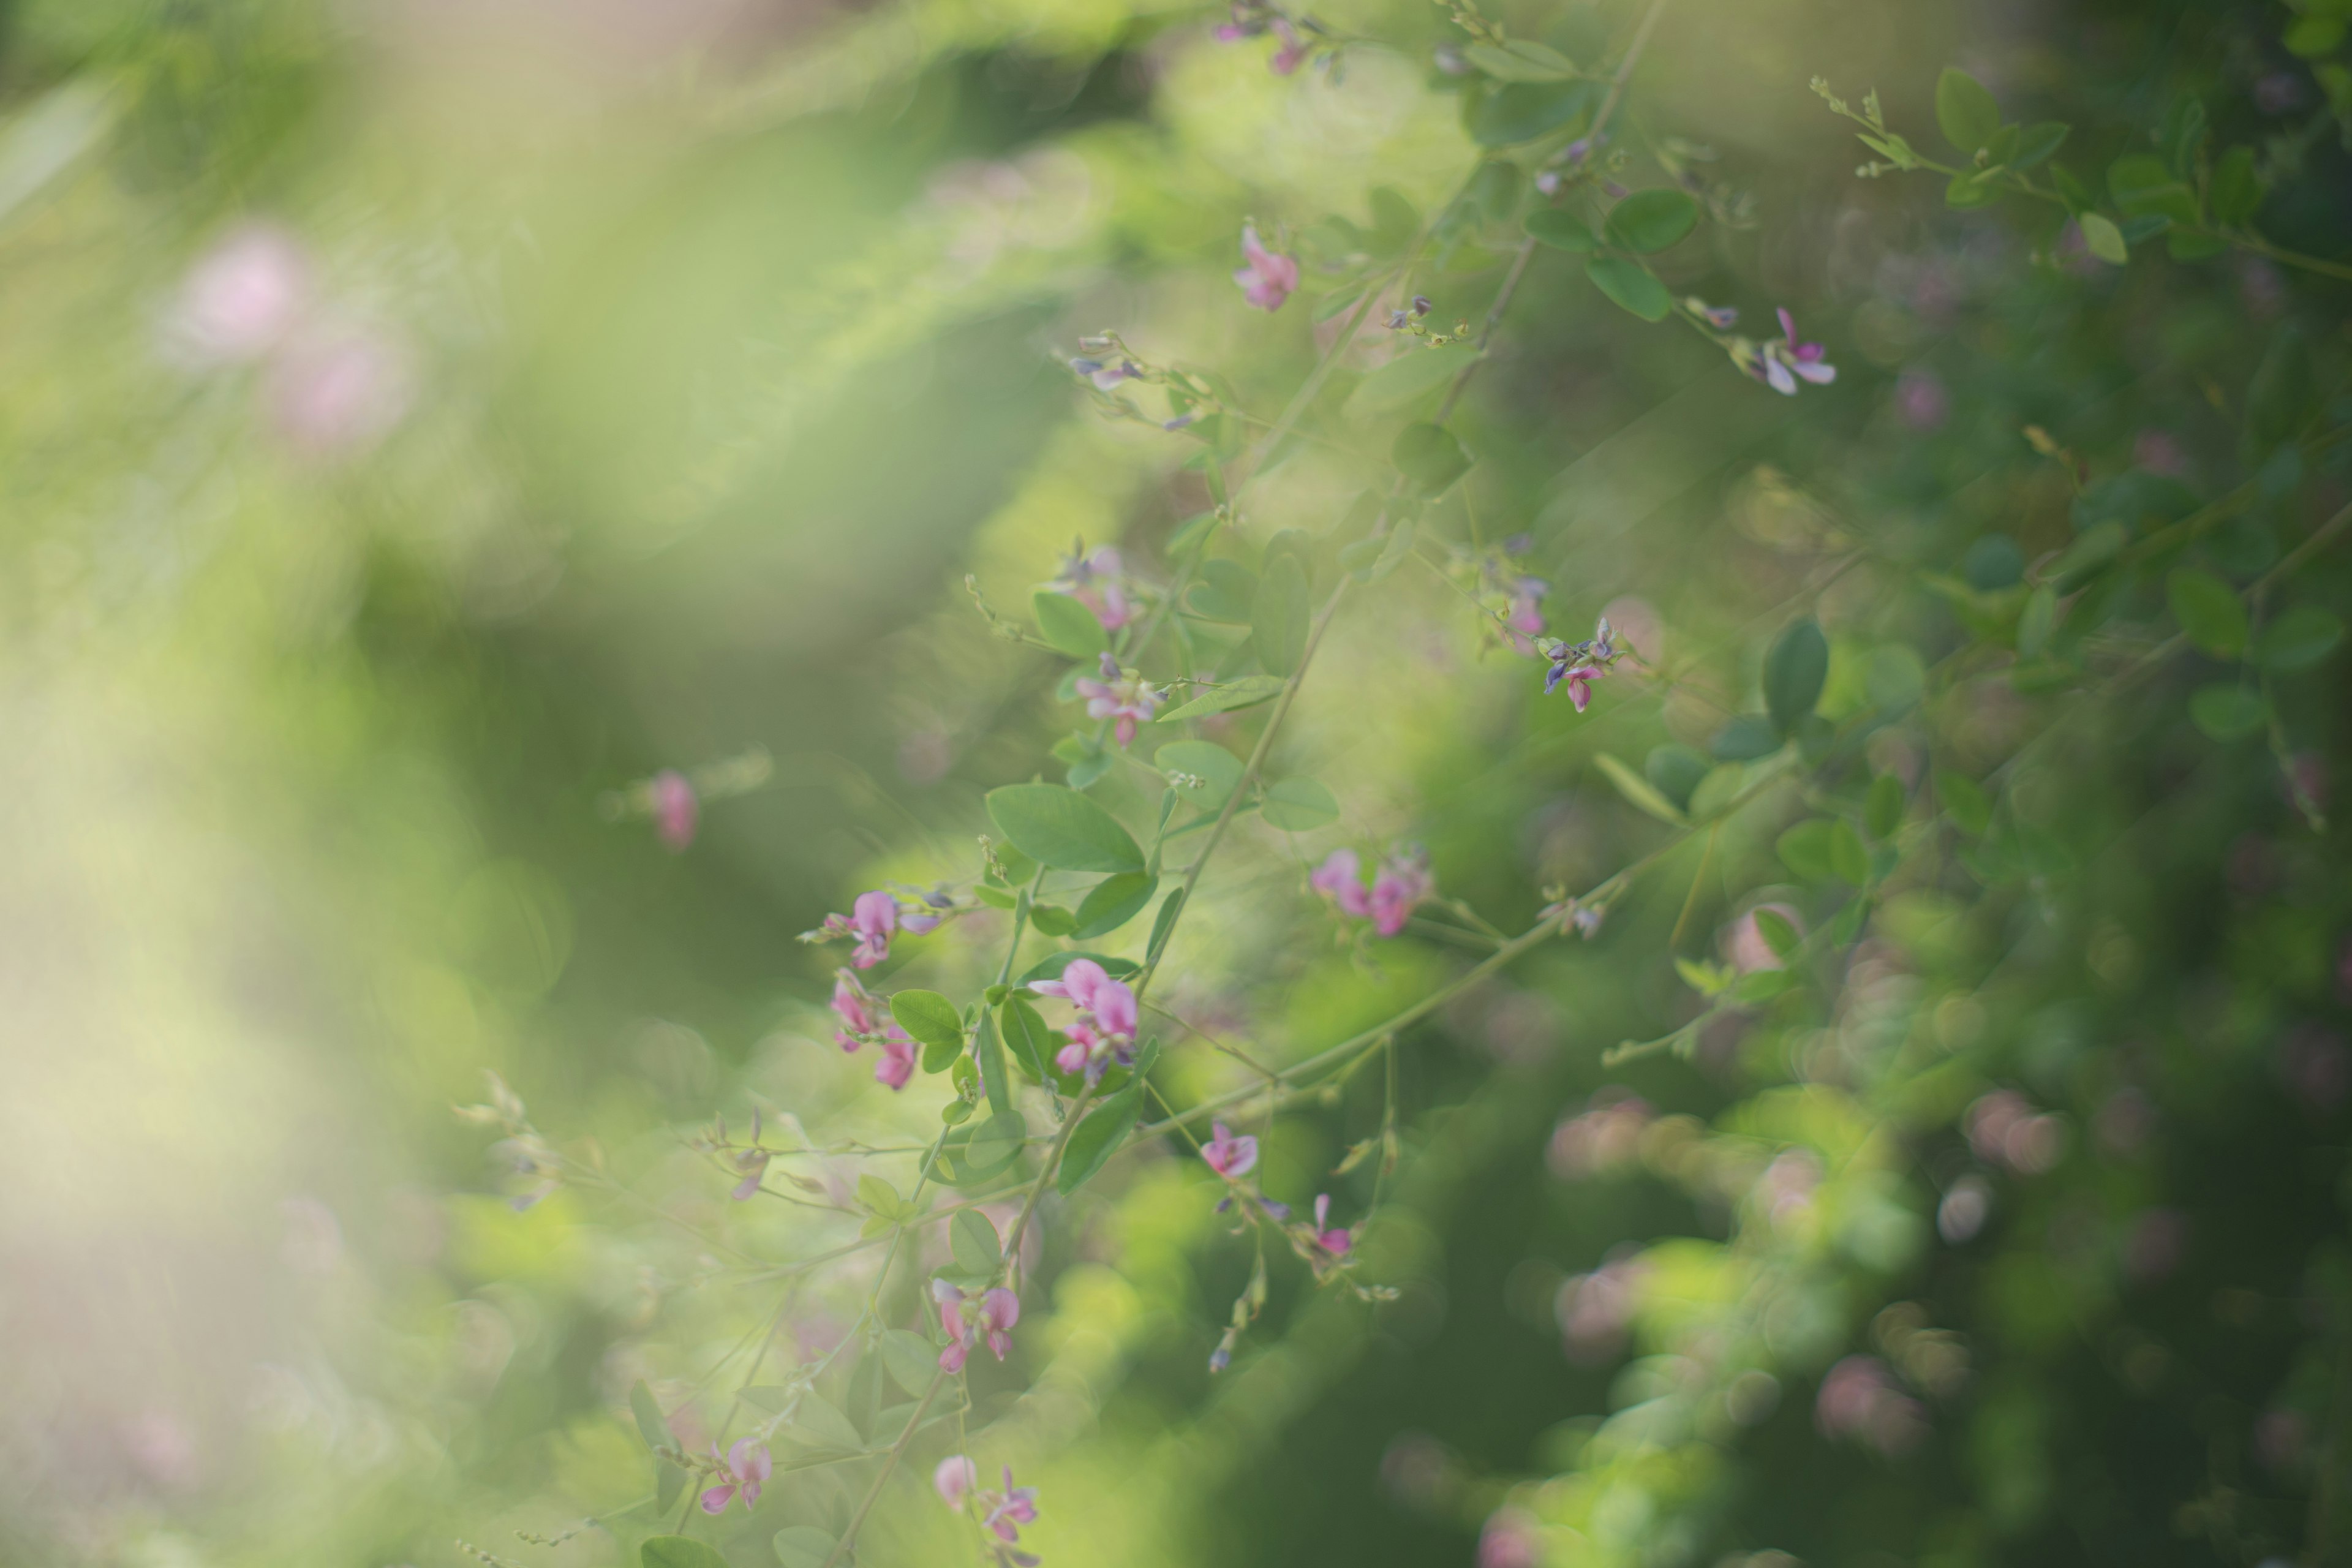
(1561,230)
(1062,828)
(1115,900)
(1408,378)
(1104,1127)
(2210,612)
(1216,769)
(1069,625)
(1279,620)
(1793,673)
(1651,220)
(929,1017)
(1629,284)
(1968,115)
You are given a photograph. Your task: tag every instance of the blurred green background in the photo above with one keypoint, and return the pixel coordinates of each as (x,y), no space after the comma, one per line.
(424,420)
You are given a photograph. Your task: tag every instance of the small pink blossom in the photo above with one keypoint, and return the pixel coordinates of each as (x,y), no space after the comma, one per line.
(1011,1507)
(336,390)
(1097,580)
(1402,882)
(1340,878)
(242,297)
(896,1063)
(1267,279)
(956,1478)
(1920,397)
(857,1009)
(1525,616)
(1105,1028)
(1332,1240)
(675,807)
(1859,1399)
(999,1309)
(1228,1155)
(1782,364)
(1580,663)
(748,1467)
(1125,697)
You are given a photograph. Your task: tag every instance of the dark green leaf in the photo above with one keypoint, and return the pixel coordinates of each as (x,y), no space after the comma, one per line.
(1793,673)
(1430,456)
(2236,191)
(1963,192)
(1629,284)
(1104,1127)
(1777,933)
(1115,900)
(2210,612)
(988,1050)
(2036,145)
(1651,220)
(2279,399)
(1032,1045)
(1964,801)
(1805,849)
(1968,115)
(995,1143)
(2143,187)
(2227,712)
(1745,738)
(2298,639)
(1069,625)
(1052,920)
(929,1016)
(1849,861)
(1163,925)
(1062,828)
(1522,111)
(1883,808)
(1561,230)
(1677,770)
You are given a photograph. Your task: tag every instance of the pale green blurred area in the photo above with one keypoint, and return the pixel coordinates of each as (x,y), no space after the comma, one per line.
(719,342)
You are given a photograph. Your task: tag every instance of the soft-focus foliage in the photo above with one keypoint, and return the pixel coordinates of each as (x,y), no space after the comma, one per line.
(1798,911)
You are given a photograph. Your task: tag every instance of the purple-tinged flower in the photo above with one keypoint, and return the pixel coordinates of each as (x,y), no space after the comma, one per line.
(753,1163)
(999,1309)
(1096,581)
(1782,364)
(242,297)
(748,1467)
(1011,1508)
(1332,1240)
(1340,878)
(1580,663)
(871,921)
(1525,616)
(1285,59)
(1228,1155)
(1106,377)
(1129,699)
(1722,318)
(1266,278)
(675,807)
(956,1478)
(1404,880)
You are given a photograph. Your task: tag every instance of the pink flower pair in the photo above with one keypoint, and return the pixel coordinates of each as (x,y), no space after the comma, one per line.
(1097,580)
(1230,1156)
(1252,19)
(1403,881)
(1105,1028)
(870,922)
(863,1017)
(747,1467)
(999,1309)
(1578,665)
(1125,697)
(1002,1513)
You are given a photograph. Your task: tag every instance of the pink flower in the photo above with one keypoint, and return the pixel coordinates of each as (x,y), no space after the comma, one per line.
(1335,1242)
(675,807)
(1581,664)
(956,1478)
(898,1061)
(1921,399)
(753,1163)
(337,390)
(1229,1156)
(1527,605)
(1011,1507)
(1285,61)
(859,1012)
(1781,364)
(1096,580)
(1127,699)
(1105,1028)
(1340,878)
(242,297)
(1266,279)
(1404,880)
(999,1309)
(747,1465)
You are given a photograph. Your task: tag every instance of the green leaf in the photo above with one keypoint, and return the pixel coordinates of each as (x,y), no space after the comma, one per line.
(2037,143)
(2143,187)
(1520,60)
(1218,769)
(2235,192)
(2299,637)
(928,1017)
(1062,828)
(1104,1127)
(2227,712)
(1677,770)
(1430,457)
(1225,592)
(911,1360)
(2280,397)
(1246,692)
(1716,791)
(1115,900)
(1777,933)
(805,1545)
(1561,230)
(1638,791)
(2103,239)
(2035,621)
(1279,619)
(1494,189)
(1299,805)
(1651,220)
(1964,801)
(1522,111)
(2315,33)
(2210,612)
(988,1050)
(1165,925)
(1052,920)
(1051,966)
(879,1197)
(678,1551)
(995,1143)
(824,1426)
(650,1424)
(1629,284)
(1967,191)
(1745,738)
(1406,379)
(1805,849)
(1026,1037)
(1849,861)
(1881,810)
(1969,116)
(1794,671)
(1069,625)
(974,1243)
